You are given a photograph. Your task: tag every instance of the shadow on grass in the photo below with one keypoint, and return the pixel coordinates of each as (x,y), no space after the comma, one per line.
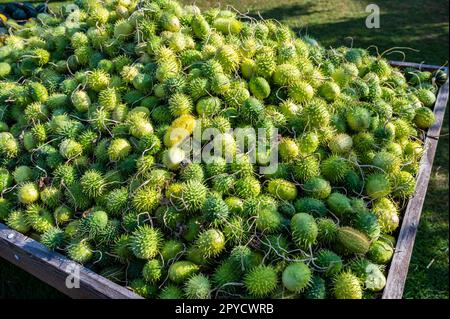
(429,38)
(285,12)
(30,287)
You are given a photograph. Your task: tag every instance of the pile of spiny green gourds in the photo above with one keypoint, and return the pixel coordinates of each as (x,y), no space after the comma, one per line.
(91,165)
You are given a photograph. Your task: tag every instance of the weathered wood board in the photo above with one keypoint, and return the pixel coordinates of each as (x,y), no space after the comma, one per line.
(55,269)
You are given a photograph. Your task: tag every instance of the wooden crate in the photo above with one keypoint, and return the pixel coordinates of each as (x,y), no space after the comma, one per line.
(54,268)
(398,269)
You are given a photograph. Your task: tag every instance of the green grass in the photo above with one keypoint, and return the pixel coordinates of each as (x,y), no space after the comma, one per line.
(416,24)
(52,3)
(18,284)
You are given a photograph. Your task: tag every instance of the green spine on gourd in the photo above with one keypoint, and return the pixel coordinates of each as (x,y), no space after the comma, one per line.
(210,243)
(261,281)
(347,286)
(296,277)
(181,270)
(198,287)
(304,230)
(145,242)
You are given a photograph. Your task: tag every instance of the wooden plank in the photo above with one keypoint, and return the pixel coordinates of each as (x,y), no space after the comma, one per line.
(398,270)
(425,67)
(55,269)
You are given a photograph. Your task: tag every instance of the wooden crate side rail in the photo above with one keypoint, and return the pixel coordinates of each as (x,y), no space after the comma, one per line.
(398,269)
(54,269)
(419,66)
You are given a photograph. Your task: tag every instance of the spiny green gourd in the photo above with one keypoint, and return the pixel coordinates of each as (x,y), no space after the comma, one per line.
(121,249)
(368,223)
(261,281)
(152,270)
(347,286)
(296,277)
(247,187)
(317,187)
(210,243)
(171,249)
(226,274)
(352,240)
(93,224)
(334,168)
(371,275)
(4,208)
(378,185)
(288,149)
(339,204)
(93,183)
(22,174)
(142,288)
(145,199)
(268,220)
(119,149)
(54,238)
(404,184)
(181,270)
(215,209)
(98,123)
(329,262)
(198,287)
(317,289)
(245,258)
(80,251)
(304,230)
(145,242)
(282,189)
(51,196)
(28,193)
(380,252)
(171,292)
(387,214)
(116,200)
(18,220)
(193,195)
(327,230)
(311,206)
